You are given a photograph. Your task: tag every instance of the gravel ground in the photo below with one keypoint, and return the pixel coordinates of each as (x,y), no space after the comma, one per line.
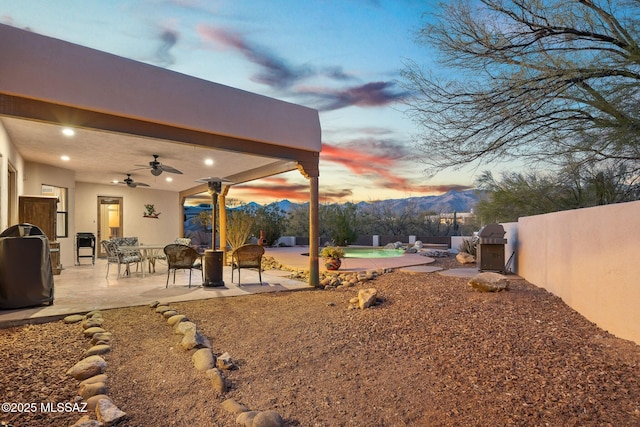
(432,352)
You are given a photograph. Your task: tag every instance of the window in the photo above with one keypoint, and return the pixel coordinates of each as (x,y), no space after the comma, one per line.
(62,220)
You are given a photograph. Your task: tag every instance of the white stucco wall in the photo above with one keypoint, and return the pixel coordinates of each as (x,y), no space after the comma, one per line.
(8,154)
(587,258)
(148,230)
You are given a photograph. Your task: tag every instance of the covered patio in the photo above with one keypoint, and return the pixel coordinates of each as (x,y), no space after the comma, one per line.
(123,113)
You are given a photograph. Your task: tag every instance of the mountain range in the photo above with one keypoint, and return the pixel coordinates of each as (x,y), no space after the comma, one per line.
(451,201)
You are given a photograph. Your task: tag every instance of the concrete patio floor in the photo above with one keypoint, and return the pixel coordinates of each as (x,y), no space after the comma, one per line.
(79,289)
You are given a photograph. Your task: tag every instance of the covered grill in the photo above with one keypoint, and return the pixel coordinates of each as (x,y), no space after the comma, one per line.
(88,241)
(490,251)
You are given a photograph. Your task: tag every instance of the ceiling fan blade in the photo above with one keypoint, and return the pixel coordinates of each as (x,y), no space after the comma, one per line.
(170,169)
(142,184)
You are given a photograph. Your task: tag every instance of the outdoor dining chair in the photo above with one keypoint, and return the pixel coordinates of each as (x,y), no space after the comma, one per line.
(247,256)
(182,257)
(120,257)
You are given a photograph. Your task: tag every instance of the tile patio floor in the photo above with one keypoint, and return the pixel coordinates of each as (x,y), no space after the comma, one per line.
(79,289)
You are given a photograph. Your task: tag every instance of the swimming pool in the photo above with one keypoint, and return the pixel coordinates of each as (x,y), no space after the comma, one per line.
(372,253)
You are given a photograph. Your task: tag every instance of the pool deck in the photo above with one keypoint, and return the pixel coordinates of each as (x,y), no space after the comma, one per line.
(79,289)
(296,257)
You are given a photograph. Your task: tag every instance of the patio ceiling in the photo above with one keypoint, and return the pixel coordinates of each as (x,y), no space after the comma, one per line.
(99,157)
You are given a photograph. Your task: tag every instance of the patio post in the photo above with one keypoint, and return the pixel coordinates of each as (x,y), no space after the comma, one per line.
(314,234)
(223,223)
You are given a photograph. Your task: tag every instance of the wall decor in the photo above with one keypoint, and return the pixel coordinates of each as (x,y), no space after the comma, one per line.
(151,212)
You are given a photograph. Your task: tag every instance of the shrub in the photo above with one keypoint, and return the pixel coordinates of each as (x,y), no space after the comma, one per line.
(469,246)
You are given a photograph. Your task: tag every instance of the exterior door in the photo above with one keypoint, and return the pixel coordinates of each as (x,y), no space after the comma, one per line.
(109,220)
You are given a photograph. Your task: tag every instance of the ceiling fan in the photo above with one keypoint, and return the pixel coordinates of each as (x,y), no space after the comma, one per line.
(129,182)
(157,168)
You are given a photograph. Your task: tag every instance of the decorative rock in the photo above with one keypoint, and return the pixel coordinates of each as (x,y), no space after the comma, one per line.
(182,327)
(94,313)
(418,244)
(194,339)
(234,407)
(175,319)
(246,418)
(465,258)
(74,318)
(85,421)
(92,322)
(98,349)
(217,381)
(102,378)
(489,282)
(162,308)
(267,419)
(105,337)
(92,402)
(167,314)
(90,331)
(203,359)
(366,297)
(108,413)
(154,304)
(87,367)
(224,361)
(92,389)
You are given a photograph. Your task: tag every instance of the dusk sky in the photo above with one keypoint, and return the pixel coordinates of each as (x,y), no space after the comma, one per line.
(341,57)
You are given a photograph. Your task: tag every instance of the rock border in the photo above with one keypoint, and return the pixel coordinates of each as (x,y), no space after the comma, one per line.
(204,360)
(90,371)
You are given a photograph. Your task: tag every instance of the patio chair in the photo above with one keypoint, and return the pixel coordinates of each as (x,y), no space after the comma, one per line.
(120,257)
(182,257)
(247,256)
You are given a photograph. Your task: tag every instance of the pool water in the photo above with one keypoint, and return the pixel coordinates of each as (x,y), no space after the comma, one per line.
(372,253)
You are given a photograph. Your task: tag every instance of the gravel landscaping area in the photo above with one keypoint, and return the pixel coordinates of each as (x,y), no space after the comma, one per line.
(431,352)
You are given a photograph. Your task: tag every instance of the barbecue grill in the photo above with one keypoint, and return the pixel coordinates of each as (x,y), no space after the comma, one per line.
(85,241)
(490,251)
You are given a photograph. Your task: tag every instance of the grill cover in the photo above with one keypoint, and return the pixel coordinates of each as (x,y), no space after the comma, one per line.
(26,276)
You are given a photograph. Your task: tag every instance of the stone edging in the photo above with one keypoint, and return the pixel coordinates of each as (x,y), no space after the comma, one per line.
(90,372)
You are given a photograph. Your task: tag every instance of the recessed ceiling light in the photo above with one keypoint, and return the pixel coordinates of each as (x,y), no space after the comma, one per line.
(169,179)
(68,131)
(208,162)
(65,158)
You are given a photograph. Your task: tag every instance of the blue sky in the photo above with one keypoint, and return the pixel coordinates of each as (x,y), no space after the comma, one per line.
(341,57)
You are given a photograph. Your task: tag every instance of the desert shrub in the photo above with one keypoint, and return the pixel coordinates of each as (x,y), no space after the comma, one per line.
(469,246)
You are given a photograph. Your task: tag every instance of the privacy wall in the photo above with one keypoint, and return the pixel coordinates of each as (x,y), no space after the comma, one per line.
(589,258)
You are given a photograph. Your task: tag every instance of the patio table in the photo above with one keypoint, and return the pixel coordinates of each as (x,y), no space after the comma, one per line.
(149,253)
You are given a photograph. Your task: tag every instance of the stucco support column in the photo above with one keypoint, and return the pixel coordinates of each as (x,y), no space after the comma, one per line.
(222,198)
(314,233)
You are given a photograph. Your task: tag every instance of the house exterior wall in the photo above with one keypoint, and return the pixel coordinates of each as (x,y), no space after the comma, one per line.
(161,230)
(587,258)
(8,155)
(136,90)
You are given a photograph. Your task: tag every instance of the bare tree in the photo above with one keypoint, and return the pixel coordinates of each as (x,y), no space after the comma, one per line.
(536,79)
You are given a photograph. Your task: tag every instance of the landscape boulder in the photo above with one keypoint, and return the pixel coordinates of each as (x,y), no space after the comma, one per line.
(489,282)
(465,258)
